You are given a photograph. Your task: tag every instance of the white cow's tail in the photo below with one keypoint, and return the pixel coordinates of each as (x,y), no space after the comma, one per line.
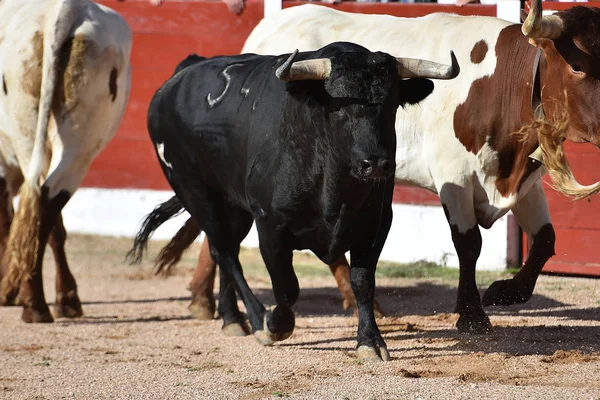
(57,28)
(23,241)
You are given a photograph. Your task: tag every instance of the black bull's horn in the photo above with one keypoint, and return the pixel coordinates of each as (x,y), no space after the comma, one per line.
(316,69)
(320,68)
(538,26)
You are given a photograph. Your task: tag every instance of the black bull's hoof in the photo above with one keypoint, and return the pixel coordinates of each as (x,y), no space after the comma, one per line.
(266,337)
(372,354)
(505,293)
(474,324)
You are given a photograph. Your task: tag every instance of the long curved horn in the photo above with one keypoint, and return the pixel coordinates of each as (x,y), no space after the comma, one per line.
(538,26)
(316,69)
(416,68)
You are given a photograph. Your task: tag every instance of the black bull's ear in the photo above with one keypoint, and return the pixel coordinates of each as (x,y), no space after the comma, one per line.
(414,90)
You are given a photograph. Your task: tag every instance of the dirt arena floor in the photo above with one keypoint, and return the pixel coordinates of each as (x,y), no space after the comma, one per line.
(137,341)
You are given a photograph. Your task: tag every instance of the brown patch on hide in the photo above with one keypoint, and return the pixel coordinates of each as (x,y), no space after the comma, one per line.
(479,52)
(4,85)
(499,105)
(75,70)
(112,83)
(32,68)
(23,241)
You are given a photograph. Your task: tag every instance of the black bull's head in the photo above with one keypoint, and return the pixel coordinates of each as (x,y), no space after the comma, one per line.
(356,96)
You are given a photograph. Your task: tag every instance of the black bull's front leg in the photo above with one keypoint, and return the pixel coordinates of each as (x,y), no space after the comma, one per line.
(364,256)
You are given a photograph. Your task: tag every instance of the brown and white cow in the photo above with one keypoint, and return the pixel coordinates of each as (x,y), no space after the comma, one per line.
(65,81)
(460,142)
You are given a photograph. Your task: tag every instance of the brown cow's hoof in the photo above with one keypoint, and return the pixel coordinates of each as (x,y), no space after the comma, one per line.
(371,354)
(39,315)
(474,325)
(67,305)
(235,330)
(267,338)
(202,312)
(505,293)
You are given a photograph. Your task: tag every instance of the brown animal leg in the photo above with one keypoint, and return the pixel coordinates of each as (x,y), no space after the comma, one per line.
(202,285)
(6,213)
(341,272)
(32,296)
(67,302)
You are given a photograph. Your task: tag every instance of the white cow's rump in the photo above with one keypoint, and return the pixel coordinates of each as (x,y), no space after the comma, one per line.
(64,66)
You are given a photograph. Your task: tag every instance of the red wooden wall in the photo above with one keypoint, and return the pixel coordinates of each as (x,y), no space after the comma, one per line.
(164,35)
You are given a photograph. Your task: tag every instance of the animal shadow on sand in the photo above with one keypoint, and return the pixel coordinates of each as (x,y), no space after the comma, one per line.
(429,301)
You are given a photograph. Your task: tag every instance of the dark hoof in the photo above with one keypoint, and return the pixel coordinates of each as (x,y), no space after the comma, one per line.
(68,305)
(506,293)
(37,315)
(267,338)
(372,354)
(202,312)
(235,330)
(474,324)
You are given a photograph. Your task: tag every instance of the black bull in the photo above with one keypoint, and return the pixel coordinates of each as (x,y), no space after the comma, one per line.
(305,149)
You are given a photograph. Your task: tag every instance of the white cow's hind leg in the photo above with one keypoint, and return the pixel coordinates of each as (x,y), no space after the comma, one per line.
(64,177)
(533,216)
(6,214)
(457,201)
(67,302)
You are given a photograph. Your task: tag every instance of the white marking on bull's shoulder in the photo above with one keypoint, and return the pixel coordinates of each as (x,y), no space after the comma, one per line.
(160,149)
(245,91)
(488,160)
(212,102)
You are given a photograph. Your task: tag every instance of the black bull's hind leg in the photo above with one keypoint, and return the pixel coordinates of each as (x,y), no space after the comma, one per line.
(225,226)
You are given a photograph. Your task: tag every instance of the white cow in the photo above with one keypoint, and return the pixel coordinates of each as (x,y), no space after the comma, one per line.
(460,141)
(65,82)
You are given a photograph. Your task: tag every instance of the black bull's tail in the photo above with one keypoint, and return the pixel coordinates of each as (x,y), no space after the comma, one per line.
(171,253)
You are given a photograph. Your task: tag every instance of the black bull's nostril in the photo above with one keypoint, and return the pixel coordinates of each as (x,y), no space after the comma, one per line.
(375,169)
(385,166)
(366,167)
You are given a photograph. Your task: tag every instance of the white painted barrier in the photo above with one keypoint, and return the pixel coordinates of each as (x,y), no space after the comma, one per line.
(417,233)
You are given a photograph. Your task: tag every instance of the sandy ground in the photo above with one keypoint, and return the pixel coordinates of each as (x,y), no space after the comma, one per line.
(137,341)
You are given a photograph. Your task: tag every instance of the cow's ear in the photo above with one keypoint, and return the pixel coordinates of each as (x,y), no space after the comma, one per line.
(414,90)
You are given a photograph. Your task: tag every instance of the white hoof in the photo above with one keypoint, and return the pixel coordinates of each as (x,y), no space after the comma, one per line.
(267,338)
(369,354)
